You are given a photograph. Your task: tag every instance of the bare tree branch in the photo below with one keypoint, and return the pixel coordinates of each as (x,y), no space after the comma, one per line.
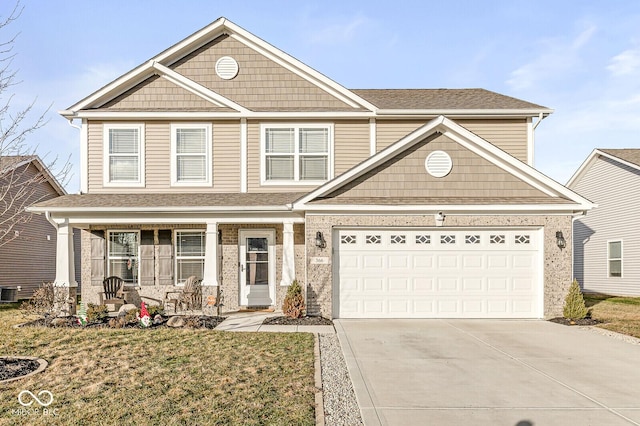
(22,179)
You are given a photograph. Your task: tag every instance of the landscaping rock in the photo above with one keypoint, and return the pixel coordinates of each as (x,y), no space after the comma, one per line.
(175,322)
(59,322)
(158,320)
(126,308)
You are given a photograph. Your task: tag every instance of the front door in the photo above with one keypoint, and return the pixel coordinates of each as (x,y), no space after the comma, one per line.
(257,272)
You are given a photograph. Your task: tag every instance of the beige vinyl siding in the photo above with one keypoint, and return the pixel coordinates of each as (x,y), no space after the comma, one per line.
(351,144)
(261,84)
(95,156)
(226,156)
(615,188)
(253,163)
(225,161)
(509,135)
(157,152)
(471,176)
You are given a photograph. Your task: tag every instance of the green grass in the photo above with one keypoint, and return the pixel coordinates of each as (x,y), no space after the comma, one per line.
(620,314)
(162,376)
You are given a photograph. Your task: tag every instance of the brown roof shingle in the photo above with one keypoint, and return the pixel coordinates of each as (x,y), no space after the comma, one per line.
(442,99)
(629,155)
(170,201)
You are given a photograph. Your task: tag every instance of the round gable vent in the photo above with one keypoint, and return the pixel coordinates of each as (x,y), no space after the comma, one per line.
(438,164)
(226,67)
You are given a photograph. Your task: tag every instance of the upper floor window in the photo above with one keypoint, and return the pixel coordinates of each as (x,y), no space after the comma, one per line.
(123,154)
(614,257)
(296,153)
(191,154)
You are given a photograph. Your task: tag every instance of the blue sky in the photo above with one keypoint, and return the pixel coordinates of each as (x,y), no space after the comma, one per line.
(580,58)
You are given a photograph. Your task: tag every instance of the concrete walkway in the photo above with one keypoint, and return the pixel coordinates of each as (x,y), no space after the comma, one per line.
(252,321)
(489,372)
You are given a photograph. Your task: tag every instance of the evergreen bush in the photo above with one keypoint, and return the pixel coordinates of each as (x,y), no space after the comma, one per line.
(293,306)
(574,307)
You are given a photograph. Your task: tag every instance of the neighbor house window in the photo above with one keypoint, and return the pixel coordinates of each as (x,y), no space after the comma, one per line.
(124,154)
(123,255)
(191,154)
(296,153)
(189,255)
(615,258)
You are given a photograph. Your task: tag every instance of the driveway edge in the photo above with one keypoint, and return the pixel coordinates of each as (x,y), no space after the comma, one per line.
(318,381)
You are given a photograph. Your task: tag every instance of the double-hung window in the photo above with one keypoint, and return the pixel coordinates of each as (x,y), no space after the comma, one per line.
(191,154)
(614,258)
(123,154)
(297,153)
(123,255)
(189,247)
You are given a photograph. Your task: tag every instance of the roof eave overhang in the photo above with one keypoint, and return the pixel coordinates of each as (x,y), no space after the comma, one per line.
(467,113)
(459,209)
(163,210)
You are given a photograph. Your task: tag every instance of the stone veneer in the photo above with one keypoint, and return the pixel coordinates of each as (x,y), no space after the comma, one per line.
(557,263)
(230,278)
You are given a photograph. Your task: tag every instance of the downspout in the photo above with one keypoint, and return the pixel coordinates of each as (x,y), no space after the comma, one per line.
(531,137)
(47,215)
(75,126)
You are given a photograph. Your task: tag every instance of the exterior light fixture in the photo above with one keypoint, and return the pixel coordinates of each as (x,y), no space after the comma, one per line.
(560,241)
(439,219)
(320,243)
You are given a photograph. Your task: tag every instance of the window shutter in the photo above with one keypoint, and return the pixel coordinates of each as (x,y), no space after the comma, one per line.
(97,257)
(147,265)
(165,257)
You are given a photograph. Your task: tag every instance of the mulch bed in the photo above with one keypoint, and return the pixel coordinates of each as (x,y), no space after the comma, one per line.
(297,321)
(10,368)
(584,321)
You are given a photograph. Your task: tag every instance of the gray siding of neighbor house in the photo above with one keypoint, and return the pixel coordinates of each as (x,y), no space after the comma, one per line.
(30,259)
(616,190)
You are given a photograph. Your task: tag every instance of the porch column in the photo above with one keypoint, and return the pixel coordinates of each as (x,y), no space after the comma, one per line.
(65,268)
(288,254)
(211,255)
(65,286)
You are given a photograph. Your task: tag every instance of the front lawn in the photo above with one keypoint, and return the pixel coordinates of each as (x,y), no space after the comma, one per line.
(620,314)
(160,376)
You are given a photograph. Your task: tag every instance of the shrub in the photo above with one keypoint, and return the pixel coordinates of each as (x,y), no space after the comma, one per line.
(96,313)
(155,310)
(293,306)
(574,307)
(42,303)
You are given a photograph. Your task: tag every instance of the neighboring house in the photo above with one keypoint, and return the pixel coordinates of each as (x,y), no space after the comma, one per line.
(27,241)
(607,241)
(226,158)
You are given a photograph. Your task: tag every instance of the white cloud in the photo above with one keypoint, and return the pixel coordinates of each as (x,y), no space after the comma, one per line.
(627,62)
(340,32)
(557,57)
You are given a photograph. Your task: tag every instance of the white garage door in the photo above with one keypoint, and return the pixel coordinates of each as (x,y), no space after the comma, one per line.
(437,273)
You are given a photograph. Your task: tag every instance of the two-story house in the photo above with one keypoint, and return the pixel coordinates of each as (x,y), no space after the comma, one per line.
(225,158)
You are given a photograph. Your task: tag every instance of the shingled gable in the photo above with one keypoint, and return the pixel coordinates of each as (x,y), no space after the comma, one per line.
(162,63)
(542,192)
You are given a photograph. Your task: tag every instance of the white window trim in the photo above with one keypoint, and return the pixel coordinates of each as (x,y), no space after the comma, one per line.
(174,163)
(609,259)
(294,182)
(140,183)
(175,252)
(108,254)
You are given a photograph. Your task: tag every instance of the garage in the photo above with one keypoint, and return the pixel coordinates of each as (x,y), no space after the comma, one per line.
(437,273)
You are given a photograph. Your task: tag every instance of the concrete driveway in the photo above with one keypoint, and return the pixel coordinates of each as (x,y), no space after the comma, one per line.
(489,372)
